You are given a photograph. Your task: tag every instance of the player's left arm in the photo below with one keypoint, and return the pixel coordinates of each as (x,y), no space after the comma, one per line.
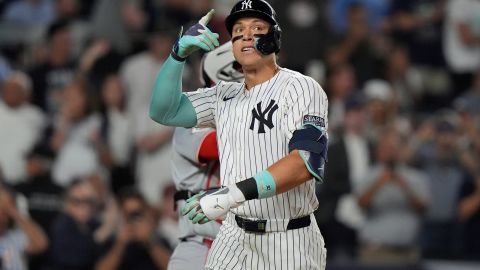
(306,126)
(289,172)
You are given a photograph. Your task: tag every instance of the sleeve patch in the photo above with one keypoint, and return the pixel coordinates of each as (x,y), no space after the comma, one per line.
(313,120)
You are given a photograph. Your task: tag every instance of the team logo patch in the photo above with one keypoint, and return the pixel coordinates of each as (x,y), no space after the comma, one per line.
(264,117)
(247,4)
(313,120)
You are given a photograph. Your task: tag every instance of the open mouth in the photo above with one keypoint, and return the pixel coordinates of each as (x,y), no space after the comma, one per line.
(248,49)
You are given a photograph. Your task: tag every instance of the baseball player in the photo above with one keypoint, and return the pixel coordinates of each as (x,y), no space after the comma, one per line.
(195,167)
(271,132)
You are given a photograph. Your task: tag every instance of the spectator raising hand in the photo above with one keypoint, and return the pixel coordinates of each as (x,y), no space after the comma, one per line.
(16,241)
(136,246)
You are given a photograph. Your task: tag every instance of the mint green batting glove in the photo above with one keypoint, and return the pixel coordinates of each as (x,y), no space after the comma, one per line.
(196,37)
(193,210)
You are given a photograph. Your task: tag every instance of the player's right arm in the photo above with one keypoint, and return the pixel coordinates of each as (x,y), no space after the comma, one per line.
(168,106)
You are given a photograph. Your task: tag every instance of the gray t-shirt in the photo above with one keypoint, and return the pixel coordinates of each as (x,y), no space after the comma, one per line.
(391,220)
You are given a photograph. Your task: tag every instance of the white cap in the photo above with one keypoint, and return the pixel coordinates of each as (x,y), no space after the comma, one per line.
(378,89)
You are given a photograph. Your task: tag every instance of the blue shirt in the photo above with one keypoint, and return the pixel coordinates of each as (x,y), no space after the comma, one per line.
(338,9)
(27,13)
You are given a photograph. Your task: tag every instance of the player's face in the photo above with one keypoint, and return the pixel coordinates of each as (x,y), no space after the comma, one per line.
(243,39)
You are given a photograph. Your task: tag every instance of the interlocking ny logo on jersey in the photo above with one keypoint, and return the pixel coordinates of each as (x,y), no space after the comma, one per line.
(259,115)
(247,4)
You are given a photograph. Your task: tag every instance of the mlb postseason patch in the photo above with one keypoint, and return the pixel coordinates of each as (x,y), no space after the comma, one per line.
(313,120)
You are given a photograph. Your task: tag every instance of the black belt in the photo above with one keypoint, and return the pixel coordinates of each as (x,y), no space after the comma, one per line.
(259,226)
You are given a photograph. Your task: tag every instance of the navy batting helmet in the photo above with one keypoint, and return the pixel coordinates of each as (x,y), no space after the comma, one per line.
(266,44)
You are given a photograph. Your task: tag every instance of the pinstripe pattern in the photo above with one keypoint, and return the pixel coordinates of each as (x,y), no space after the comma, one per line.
(294,249)
(244,152)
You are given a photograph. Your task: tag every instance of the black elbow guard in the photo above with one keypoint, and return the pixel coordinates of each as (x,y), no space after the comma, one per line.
(312,143)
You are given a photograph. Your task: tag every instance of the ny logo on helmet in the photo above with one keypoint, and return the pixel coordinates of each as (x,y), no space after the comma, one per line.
(247,4)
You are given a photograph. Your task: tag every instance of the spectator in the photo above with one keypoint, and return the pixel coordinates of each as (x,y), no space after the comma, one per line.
(135,246)
(114,139)
(338,13)
(80,28)
(406,81)
(21,123)
(19,236)
(468,139)
(72,139)
(381,107)
(30,12)
(418,25)
(469,214)
(394,197)
(340,84)
(445,175)
(349,158)
(121,23)
(43,195)
(358,46)
(75,239)
(51,77)
(152,141)
(469,101)
(302,19)
(98,61)
(43,198)
(139,71)
(462,42)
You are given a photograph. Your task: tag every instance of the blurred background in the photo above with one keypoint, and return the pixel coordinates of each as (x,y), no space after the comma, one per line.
(80,156)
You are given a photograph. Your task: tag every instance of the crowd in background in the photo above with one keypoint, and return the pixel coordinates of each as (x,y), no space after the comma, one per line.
(85,174)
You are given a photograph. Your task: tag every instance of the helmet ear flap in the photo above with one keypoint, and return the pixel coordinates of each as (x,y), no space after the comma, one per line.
(270,42)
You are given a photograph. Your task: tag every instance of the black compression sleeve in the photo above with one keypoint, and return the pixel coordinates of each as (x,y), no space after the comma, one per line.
(248,188)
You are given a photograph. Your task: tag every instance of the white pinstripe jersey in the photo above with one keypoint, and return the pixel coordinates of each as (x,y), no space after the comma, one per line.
(253,130)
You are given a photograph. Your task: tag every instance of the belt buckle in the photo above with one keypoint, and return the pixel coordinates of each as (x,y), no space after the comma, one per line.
(261,226)
(251,226)
(257,226)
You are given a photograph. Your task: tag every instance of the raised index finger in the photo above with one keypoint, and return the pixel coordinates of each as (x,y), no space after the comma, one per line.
(206,19)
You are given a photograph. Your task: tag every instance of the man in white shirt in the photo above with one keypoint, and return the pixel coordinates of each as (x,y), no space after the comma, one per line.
(21,123)
(462,41)
(152,141)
